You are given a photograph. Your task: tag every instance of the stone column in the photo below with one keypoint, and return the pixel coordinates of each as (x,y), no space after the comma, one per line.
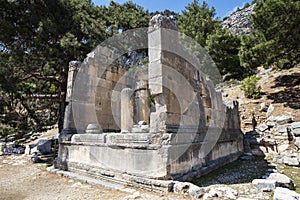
(141,107)
(69,126)
(126,110)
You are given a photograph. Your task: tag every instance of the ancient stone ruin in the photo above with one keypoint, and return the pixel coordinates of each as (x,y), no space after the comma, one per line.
(163,122)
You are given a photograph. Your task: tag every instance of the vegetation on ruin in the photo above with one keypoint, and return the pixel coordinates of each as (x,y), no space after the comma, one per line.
(250,88)
(38,38)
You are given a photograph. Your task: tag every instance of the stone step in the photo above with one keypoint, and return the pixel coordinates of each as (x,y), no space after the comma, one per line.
(89,180)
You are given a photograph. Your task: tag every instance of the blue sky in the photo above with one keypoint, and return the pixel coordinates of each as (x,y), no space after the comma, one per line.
(223,7)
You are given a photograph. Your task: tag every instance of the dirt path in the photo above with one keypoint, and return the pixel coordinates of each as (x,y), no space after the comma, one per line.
(21,179)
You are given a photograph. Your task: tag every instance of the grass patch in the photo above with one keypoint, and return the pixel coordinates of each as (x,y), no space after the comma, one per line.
(293,173)
(239,171)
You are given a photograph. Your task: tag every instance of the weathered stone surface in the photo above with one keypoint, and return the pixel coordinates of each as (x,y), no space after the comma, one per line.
(43,147)
(270,110)
(221,193)
(296,132)
(282,129)
(196,192)
(160,21)
(295,125)
(292,161)
(282,180)
(297,142)
(181,187)
(287,158)
(282,148)
(93,129)
(142,123)
(284,194)
(262,127)
(89,138)
(126,110)
(271,124)
(264,185)
(281,119)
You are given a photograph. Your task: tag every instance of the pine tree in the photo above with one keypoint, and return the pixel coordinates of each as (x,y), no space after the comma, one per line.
(197,21)
(223,47)
(278,21)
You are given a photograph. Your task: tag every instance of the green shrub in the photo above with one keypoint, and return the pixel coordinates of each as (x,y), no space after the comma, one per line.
(250,88)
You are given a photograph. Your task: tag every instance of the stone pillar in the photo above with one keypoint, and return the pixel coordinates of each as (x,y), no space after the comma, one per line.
(141,108)
(160,39)
(126,110)
(69,126)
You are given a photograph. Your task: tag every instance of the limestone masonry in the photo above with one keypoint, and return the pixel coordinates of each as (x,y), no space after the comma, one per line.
(148,127)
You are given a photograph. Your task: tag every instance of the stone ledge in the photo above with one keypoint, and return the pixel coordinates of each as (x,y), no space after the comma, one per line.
(89,180)
(128,180)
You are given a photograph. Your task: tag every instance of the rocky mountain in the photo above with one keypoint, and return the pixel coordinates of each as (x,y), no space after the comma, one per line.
(239,21)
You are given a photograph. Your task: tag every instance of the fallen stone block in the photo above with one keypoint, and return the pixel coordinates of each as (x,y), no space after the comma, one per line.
(282,129)
(280,119)
(297,142)
(264,185)
(284,194)
(295,125)
(296,132)
(189,188)
(291,161)
(262,127)
(282,180)
(196,192)
(42,147)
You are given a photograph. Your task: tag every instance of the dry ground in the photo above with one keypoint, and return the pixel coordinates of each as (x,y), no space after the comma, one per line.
(21,179)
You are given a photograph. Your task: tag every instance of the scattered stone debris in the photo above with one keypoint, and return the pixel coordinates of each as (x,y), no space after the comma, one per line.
(221,193)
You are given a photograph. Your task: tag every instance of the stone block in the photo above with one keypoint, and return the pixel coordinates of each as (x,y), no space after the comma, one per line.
(282,180)
(264,185)
(297,142)
(280,119)
(284,194)
(282,129)
(43,147)
(262,127)
(295,125)
(156,85)
(89,138)
(292,161)
(141,129)
(296,132)
(282,147)
(271,124)
(129,138)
